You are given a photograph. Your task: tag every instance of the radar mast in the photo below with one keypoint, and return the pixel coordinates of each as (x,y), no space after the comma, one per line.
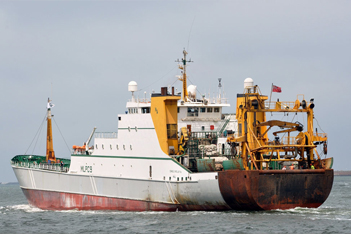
(183,77)
(50,154)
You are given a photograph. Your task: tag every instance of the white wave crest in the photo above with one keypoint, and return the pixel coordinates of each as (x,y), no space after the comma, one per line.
(24,207)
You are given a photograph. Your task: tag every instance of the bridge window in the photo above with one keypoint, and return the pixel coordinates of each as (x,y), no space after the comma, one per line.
(145,110)
(193,111)
(172,131)
(209,109)
(203,109)
(216,109)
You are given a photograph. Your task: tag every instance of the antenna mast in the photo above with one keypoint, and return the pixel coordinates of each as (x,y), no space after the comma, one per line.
(184,77)
(220,90)
(50,154)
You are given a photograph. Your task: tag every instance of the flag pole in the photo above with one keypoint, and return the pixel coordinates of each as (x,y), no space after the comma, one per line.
(270,96)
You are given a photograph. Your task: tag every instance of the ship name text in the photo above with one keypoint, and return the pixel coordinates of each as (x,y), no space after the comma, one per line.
(88,169)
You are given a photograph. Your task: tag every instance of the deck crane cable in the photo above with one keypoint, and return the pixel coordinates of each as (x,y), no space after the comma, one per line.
(62,136)
(36,134)
(158,79)
(174,82)
(318,124)
(191,28)
(320,146)
(196,86)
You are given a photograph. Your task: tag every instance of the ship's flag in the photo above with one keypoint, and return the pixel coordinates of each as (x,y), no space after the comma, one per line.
(277,89)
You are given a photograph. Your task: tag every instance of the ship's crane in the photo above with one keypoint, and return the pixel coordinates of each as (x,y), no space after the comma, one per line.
(183,140)
(257,151)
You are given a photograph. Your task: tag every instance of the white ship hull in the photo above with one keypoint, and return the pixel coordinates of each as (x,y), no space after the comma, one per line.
(55,190)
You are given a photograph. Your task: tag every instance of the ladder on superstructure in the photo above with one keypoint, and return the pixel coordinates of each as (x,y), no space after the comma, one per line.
(221,129)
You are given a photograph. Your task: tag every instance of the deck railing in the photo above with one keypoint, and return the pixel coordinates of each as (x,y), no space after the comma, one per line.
(42,166)
(281,105)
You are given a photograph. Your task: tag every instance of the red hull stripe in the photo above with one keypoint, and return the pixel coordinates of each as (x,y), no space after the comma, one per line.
(48,200)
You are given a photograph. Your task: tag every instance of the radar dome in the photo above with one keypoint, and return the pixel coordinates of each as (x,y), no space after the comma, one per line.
(192,91)
(248,82)
(132,86)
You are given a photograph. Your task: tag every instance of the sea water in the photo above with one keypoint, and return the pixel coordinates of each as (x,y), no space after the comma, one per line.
(334,216)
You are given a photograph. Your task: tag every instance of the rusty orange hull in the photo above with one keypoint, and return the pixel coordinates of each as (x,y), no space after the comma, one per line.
(275,189)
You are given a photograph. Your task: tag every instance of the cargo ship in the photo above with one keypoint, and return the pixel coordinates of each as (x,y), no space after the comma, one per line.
(179,153)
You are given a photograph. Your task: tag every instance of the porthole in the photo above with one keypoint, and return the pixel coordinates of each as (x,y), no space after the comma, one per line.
(136,128)
(102,146)
(117,147)
(124,147)
(130,147)
(170,178)
(96,146)
(111,147)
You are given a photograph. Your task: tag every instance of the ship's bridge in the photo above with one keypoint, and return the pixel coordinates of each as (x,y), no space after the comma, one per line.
(137,106)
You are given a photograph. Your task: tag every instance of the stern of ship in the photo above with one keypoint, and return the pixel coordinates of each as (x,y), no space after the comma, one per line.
(275,189)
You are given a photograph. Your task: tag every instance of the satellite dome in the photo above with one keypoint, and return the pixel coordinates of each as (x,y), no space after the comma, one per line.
(192,91)
(248,82)
(132,86)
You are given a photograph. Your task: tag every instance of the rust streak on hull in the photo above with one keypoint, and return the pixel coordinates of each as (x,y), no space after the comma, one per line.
(49,200)
(275,189)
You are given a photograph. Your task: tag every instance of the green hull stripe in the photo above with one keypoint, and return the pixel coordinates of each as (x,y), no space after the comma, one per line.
(134,128)
(105,156)
(145,158)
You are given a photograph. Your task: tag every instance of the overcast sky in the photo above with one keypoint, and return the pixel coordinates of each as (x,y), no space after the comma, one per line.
(82,54)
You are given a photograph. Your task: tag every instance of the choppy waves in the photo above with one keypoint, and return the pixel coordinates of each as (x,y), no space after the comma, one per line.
(332,217)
